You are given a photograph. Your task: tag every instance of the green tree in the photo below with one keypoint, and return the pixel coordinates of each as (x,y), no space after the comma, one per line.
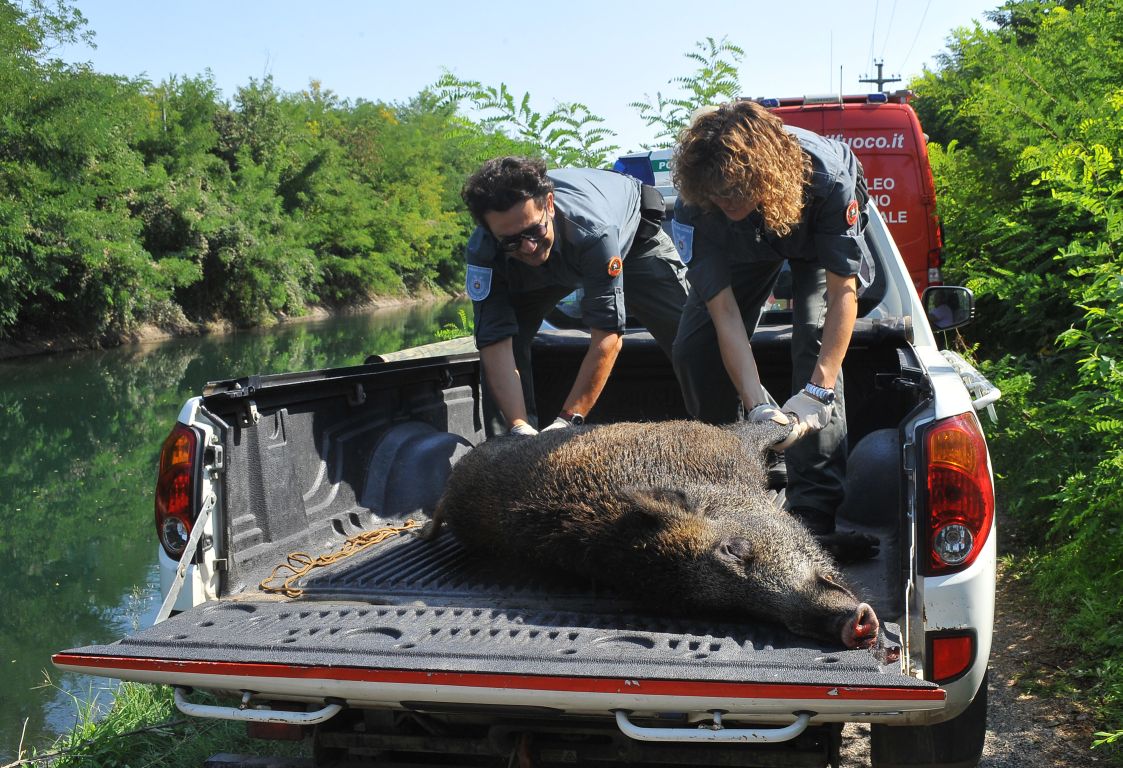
(1027,120)
(568,135)
(715,81)
(69,252)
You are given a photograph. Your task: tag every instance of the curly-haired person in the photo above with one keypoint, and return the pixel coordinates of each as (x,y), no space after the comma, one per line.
(541,235)
(754,194)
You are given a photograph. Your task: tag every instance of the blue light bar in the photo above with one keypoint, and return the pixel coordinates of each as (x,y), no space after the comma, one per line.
(878,98)
(769,103)
(638,166)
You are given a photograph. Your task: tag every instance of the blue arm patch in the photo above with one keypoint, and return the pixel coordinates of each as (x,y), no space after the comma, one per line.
(683,235)
(478,282)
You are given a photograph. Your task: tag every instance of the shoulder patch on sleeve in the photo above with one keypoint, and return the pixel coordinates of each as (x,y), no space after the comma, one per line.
(852,213)
(683,235)
(478,282)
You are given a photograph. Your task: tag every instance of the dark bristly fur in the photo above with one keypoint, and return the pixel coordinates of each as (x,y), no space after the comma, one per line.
(674,513)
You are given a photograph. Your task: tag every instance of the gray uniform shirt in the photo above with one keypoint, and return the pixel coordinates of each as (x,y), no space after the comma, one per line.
(829,232)
(596,215)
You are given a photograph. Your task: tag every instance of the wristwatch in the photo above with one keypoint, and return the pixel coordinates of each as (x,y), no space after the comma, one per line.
(575,419)
(822,394)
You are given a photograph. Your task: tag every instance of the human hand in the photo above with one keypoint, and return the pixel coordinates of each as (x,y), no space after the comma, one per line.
(810,415)
(523,429)
(767,412)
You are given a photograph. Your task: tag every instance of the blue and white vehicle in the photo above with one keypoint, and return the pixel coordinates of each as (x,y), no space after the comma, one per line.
(414,652)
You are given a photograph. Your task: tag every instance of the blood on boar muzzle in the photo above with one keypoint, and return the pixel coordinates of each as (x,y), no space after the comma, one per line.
(673,512)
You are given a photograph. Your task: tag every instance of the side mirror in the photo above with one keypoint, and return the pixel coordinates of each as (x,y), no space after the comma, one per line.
(948,306)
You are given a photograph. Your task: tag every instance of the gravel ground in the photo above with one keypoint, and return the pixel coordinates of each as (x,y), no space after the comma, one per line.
(1024,730)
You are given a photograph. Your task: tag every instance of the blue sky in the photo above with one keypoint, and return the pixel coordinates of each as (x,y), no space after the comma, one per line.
(604,54)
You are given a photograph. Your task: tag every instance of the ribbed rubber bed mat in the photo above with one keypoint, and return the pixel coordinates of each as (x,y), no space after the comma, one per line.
(443,610)
(406,568)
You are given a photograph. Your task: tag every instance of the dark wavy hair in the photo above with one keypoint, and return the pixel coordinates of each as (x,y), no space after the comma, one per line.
(504,181)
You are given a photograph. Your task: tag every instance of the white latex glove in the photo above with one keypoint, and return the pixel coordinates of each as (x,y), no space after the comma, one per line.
(810,415)
(558,423)
(523,429)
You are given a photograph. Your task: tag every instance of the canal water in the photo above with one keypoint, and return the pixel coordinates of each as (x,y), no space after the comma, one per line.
(79,440)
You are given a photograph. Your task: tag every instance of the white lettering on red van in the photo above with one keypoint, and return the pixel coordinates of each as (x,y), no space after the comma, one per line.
(896,217)
(894,141)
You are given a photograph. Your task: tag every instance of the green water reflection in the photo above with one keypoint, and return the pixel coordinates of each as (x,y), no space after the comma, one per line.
(79,436)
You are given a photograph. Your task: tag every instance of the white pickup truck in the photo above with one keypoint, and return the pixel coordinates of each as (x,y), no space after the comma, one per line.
(407,652)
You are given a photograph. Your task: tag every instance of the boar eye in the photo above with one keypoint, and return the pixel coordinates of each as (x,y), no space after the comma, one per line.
(736,549)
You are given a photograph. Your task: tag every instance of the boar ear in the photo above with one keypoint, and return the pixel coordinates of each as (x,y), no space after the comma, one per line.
(735,549)
(657,506)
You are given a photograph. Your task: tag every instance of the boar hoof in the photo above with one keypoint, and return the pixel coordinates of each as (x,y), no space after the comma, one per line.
(429,531)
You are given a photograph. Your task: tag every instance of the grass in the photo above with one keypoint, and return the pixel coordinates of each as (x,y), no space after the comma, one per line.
(143,729)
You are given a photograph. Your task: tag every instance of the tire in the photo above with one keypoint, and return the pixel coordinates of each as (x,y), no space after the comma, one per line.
(957,743)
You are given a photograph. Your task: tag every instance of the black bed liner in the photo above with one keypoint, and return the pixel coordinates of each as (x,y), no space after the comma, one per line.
(443,610)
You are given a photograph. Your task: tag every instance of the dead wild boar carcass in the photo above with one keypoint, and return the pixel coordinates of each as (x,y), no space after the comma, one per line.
(672,512)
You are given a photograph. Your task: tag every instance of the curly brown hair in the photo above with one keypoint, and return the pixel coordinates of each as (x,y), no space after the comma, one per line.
(741,150)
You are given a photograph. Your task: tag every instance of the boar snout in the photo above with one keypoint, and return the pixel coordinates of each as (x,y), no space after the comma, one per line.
(860,630)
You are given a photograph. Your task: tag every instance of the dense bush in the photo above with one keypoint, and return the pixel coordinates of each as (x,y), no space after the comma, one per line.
(124,202)
(1027,123)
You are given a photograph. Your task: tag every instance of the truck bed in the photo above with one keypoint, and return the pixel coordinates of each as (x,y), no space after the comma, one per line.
(412,605)
(315,458)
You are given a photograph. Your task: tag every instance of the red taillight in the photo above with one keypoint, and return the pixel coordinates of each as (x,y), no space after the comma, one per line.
(960,497)
(935,259)
(950,654)
(175,490)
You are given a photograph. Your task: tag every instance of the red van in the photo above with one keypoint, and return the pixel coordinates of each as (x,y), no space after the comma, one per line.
(885,134)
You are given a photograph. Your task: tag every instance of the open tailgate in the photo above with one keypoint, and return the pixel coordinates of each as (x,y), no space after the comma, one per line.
(438,627)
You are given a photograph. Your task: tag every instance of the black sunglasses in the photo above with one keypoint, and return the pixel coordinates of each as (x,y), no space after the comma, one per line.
(533,234)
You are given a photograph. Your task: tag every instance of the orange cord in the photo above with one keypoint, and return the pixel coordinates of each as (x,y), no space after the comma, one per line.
(301,563)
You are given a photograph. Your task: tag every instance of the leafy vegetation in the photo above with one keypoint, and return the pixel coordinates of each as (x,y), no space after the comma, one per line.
(126,202)
(715,81)
(567,135)
(143,727)
(1028,124)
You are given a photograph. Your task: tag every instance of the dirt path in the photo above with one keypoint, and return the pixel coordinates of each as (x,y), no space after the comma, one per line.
(1025,729)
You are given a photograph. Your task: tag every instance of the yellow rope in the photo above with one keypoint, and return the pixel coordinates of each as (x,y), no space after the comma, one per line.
(300,563)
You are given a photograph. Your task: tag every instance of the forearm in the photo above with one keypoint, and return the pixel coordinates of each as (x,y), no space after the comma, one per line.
(503,381)
(736,351)
(838,327)
(604,346)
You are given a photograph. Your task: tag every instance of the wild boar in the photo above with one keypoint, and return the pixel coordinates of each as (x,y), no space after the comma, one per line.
(671,512)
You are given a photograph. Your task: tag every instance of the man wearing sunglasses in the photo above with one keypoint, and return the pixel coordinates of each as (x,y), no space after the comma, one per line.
(540,236)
